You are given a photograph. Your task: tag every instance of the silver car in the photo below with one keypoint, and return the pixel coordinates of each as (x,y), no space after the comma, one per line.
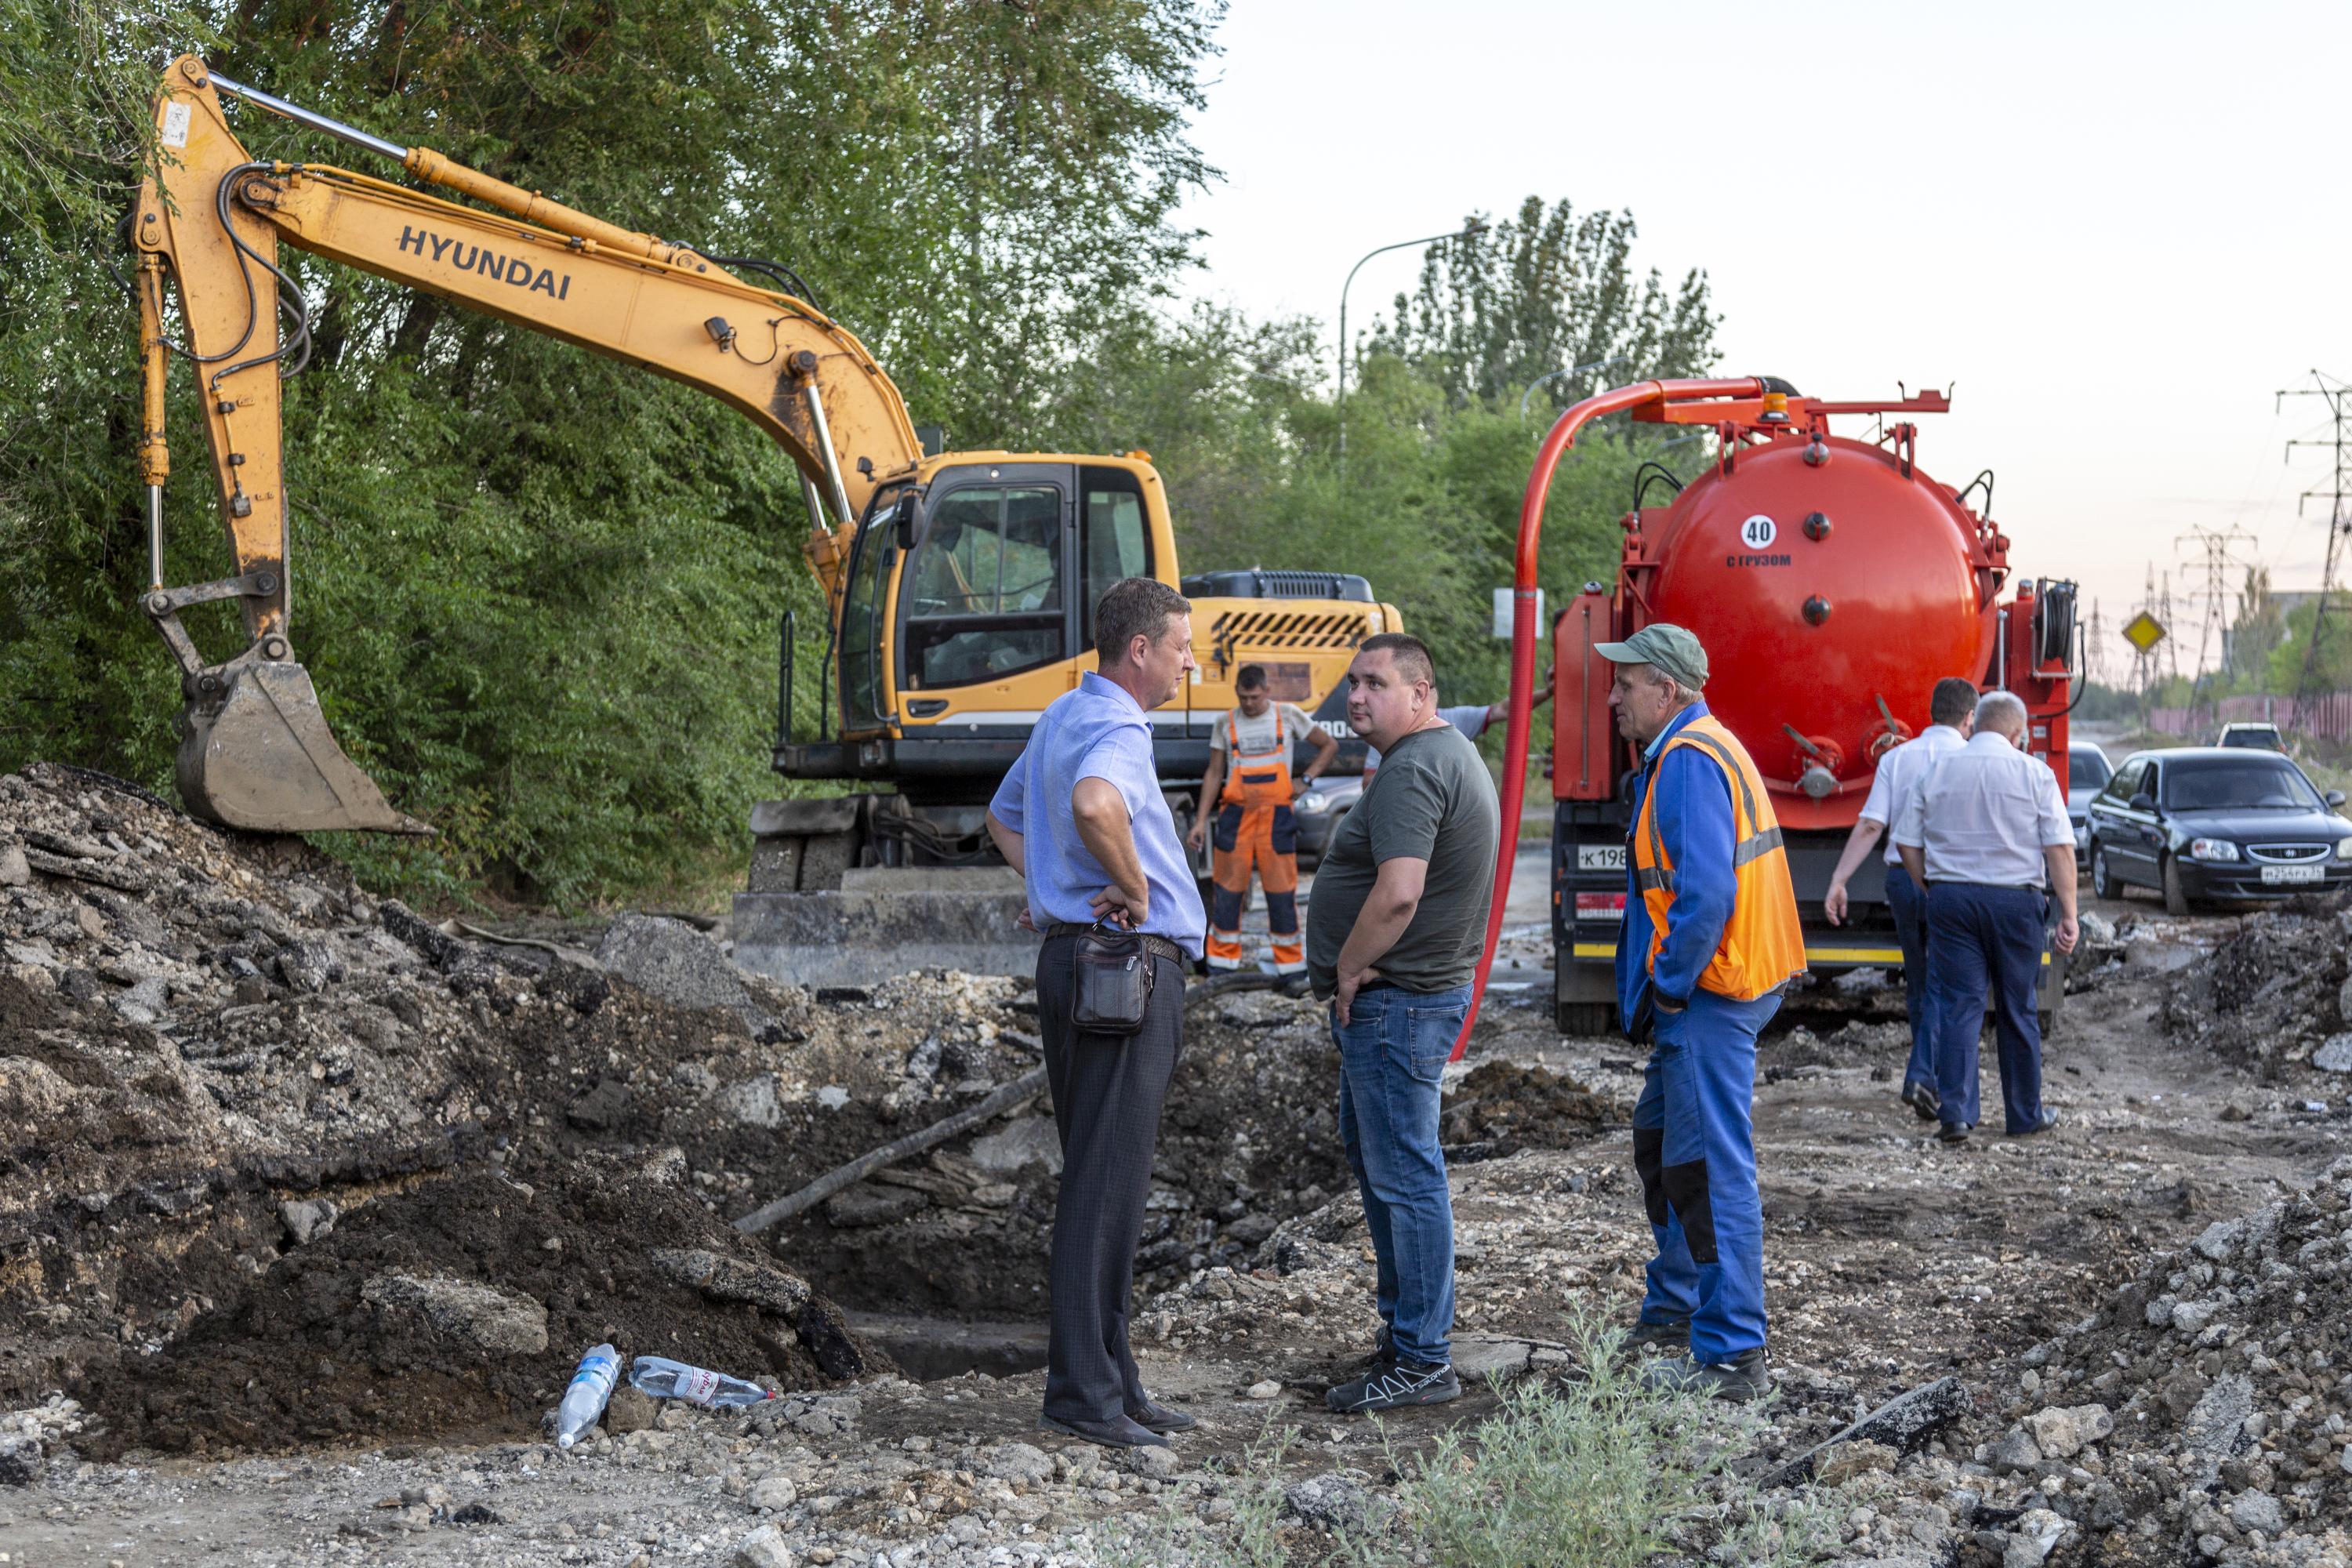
(2087,774)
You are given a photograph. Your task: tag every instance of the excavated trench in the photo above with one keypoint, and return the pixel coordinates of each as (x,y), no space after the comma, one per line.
(283,1163)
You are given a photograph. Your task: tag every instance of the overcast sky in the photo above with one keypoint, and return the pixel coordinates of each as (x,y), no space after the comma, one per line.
(2115,231)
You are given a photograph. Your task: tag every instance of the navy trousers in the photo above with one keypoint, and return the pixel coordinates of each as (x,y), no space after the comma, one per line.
(1106,1092)
(1909,906)
(1695,1147)
(1981,938)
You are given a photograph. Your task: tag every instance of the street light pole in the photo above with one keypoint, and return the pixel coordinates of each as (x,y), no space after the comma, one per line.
(1476,225)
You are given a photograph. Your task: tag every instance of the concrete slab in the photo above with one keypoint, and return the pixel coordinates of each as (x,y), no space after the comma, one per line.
(855,937)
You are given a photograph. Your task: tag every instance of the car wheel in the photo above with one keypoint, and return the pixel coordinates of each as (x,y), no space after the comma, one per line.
(2175,897)
(2102,876)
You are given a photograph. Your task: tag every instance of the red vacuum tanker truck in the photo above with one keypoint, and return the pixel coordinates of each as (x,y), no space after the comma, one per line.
(1832,583)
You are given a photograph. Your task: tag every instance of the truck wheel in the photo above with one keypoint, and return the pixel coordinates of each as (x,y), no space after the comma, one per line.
(2102,876)
(1587,1019)
(2176,897)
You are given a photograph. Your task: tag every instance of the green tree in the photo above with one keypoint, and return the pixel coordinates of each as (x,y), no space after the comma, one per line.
(2258,627)
(2315,654)
(1516,301)
(539,589)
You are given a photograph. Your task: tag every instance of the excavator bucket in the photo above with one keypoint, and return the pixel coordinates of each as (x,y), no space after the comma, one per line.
(257,754)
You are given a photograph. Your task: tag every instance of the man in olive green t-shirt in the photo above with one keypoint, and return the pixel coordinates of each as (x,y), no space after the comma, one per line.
(1394,925)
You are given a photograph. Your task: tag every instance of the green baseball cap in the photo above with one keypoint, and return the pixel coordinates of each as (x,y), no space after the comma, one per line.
(1668,649)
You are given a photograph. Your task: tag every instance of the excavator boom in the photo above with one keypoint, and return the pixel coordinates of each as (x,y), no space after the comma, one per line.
(256,751)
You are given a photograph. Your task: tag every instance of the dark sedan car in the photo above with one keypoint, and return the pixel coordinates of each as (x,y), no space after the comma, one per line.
(2205,823)
(1320,810)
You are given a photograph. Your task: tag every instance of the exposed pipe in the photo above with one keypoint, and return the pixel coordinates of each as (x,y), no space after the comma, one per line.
(1523,626)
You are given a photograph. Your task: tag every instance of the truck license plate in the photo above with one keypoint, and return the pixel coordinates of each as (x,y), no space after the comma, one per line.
(2295,873)
(1608,857)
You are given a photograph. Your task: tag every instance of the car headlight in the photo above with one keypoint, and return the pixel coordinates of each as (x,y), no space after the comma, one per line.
(2344,849)
(2211,849)
(1313,804)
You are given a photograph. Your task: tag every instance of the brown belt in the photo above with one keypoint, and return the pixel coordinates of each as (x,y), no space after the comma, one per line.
(1156,945)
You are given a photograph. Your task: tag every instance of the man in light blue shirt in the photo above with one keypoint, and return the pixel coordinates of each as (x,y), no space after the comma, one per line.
(1082,818)
(1987,833)
(1951,714)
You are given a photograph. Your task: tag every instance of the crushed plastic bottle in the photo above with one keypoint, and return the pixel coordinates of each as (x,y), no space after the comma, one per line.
(658,1377)
(585,1401)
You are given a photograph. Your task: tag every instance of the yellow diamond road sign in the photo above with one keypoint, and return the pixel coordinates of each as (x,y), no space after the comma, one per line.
(2143,631)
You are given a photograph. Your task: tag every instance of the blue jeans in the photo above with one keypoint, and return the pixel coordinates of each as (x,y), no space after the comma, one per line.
(1981,937)
(1392,1055)
(1695,1146)
(1908,902)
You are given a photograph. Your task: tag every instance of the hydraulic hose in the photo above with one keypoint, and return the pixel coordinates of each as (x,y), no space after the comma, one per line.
(1523,626)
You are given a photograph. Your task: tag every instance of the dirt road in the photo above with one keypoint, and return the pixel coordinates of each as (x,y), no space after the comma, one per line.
(307,1204)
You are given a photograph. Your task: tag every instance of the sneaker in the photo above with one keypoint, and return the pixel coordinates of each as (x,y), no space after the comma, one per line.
(1922,1099)
(1383,1349)
(1674,1334)
(1395,1387)
(1740,1379)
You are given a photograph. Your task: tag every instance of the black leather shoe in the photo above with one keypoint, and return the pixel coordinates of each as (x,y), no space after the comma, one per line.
(1953,1133)
(1119,1432)
(2049,1119)
(1157,1417)
(1922,1099)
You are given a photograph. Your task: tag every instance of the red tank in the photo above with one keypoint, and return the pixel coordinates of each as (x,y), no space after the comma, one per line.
(1832,583)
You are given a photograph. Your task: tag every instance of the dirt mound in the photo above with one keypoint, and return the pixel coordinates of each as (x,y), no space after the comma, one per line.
(1500,1108)
(2206,1412)
(2272,995)
(1853,1044)
(458,1307)
(210,1043)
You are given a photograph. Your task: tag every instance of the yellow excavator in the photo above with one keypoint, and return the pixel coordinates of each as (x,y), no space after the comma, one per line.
(959,586)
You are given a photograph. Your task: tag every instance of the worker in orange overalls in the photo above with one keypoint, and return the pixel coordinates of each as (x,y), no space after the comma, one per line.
(1249,777)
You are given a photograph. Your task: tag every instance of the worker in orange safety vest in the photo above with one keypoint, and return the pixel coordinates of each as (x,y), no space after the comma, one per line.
(1249,779)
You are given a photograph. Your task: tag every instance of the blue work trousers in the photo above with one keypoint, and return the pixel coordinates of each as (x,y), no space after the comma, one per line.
(1983,937)
(1392,1055)
(1695,1146)
(1909,905)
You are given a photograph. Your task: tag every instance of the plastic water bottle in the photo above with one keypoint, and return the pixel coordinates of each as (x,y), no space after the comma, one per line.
(658,1377)
(583,1402)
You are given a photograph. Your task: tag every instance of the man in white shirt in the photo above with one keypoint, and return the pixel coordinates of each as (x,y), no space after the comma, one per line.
(1951,714)
(1250,782)
(1986,833)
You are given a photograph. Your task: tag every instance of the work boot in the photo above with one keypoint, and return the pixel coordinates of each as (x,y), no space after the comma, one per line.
(1739,1380)
(1393,1387)
(1922,1099)
(1672,1335)
(1157,1417)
